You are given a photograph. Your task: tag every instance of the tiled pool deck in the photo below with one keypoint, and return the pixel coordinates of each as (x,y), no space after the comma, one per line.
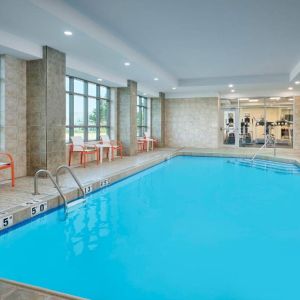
(13,200)
(10,290)
(17,202)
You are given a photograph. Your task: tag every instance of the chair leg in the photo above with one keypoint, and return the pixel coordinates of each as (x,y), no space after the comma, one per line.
(81,157)
(121,152)
(12,167)
(84,160)
(97,156)
(70,157)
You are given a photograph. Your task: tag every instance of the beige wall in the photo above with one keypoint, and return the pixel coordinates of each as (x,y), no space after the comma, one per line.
(297,123)
(13,112)
(192,122)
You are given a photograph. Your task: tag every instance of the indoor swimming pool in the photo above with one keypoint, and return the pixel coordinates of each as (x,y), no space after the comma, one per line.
(190,228)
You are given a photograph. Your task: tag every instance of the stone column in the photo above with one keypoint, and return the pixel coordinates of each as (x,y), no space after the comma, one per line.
(46,111)
(158,118)
(296,125)
(127,128)
(13,111)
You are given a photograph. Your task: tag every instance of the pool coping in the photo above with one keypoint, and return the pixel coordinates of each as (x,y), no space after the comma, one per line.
(11,287)
(21,214)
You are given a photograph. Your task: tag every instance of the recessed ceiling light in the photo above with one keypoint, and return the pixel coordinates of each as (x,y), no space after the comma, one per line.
(232,91)
(145,94)
(68,33)
(275,98)
(290,88)
(297,82)
(155,78)
(244,99)
(174,88)
(126,63)
(253,100)
(99,79)
(230,85)
(291,99)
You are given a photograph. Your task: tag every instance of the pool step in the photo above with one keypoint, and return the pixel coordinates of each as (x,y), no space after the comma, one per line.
(267,165)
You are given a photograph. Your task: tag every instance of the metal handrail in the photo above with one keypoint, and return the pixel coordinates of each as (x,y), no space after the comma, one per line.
(264,146)
(72,174)
(36,191)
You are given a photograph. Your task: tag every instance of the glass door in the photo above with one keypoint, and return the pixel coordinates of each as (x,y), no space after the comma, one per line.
(229,122)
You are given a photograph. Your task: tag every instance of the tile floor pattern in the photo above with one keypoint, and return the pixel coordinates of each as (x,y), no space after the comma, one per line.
(14,197)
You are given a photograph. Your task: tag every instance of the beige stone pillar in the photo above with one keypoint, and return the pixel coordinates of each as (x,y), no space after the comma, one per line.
(158,118)
(126,111)
(46,111)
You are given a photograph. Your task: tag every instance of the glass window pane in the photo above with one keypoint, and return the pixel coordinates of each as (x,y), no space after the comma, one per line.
(137,100)
(92,111)
(67,135)
(104,92)
(252,122)
(92,89)
(67,83)
(78,86)
(92,134)
(144,116)
(67,109)
(104,131)
(79,131)
(104,113)
(279,116)
(138,116)
(78,110)
(144,101)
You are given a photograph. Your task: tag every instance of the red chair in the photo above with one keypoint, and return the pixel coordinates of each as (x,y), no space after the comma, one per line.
(8,165)
(115,145)
(79,146)
(140,145)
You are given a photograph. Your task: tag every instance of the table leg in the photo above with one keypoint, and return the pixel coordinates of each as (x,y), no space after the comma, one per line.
(109,153)
(101,155)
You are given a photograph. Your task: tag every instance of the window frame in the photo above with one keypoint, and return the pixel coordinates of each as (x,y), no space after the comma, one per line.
(71,95)
(142,106)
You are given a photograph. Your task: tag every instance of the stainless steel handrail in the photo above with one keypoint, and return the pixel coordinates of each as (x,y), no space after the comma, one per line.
(36,190)
(265,146)
(72,174)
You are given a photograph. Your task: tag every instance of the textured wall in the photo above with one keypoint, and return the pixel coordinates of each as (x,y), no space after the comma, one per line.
(13,111)
(192,122)
(296,131)
(127,117)
(158,118)
(46,113)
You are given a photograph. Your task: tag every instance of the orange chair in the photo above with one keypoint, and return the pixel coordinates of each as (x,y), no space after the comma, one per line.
(84,149)
(140,145)
(8,165)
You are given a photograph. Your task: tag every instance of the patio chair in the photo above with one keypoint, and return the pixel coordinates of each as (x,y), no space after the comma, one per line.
(115,145)
(79,146)
(8,164)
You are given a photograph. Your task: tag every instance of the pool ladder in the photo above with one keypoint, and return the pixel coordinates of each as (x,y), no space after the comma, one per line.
(56,183)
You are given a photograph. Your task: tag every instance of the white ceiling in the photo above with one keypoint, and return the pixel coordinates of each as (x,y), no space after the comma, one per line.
(199,46)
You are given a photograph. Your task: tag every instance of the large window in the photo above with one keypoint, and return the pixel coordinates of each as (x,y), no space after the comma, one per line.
(248,122)
(88,109)
(141,116)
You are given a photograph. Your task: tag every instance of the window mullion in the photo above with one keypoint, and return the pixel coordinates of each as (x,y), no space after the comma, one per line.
(71,106)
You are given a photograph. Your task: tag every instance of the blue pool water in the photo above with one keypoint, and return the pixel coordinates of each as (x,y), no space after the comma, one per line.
(191,228)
